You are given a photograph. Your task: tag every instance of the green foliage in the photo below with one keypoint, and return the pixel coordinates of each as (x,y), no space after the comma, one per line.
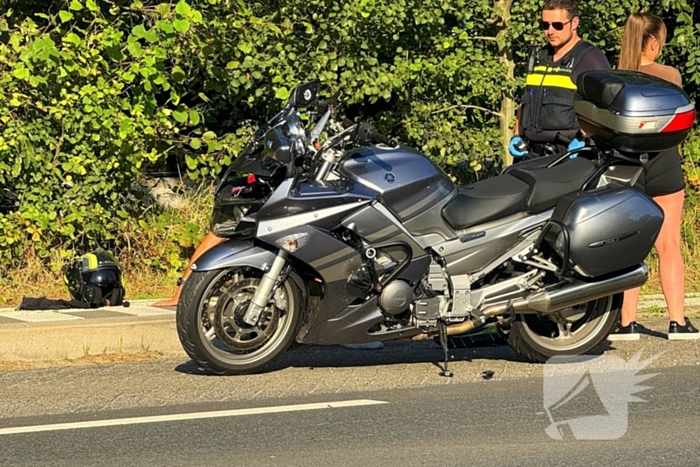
(86,102)
(92,93)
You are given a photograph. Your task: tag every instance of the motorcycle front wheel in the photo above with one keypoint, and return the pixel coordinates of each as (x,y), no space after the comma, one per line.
(572,331)
(211,328)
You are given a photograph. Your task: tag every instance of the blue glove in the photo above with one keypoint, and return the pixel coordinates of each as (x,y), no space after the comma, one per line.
(575,144)
(517,147)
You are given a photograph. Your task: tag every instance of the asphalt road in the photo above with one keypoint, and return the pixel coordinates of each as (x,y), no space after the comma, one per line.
(486,423)
(424,419)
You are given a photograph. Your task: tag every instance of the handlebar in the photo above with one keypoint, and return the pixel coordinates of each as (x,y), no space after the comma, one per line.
(367,134)
(381,139)
(565,140)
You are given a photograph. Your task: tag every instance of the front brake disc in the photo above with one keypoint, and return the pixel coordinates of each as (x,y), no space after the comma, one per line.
(229,325)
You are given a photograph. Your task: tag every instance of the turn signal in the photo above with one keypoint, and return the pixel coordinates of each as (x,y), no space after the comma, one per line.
(292,243)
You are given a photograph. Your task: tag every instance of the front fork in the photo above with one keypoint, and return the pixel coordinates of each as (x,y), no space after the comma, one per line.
(264,291)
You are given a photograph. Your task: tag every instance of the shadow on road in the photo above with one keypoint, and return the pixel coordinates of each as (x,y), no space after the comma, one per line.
(393,353)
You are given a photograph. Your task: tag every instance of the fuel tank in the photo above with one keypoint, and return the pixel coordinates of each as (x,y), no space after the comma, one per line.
(407,181)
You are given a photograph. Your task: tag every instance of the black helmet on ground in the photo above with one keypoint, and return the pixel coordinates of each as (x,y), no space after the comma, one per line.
(96,279)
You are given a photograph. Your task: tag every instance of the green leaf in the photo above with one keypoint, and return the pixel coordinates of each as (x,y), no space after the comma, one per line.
(180,116)
(92,6)
(191,162)
(72,38)
(65,16)
(146,71)
(183,9)
(178,74)
(164,26)
(245,47)
(134,49)
(194,117)
(20,72)
(181,25)
(151,36)
(208,136)
(75,5)
(282,93)
(139,30)
(195,143)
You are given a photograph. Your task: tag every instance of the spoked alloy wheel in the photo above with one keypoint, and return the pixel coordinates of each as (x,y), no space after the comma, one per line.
(224,319)
(211,326)
(571,331)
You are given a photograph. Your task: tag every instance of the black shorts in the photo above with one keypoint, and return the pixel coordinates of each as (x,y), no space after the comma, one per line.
(663,174)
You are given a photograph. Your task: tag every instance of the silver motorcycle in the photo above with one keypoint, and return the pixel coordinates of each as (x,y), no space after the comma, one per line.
(358,239)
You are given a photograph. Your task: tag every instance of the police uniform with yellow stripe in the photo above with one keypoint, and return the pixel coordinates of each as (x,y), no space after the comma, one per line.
(547,105)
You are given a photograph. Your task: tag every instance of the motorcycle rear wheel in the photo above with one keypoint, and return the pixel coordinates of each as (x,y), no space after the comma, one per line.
(539,338)
(211,329)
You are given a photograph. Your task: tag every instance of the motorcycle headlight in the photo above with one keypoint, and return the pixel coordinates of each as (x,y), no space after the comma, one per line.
(225,218)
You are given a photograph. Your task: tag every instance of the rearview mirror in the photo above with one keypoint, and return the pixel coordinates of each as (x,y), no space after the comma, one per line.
(305,94)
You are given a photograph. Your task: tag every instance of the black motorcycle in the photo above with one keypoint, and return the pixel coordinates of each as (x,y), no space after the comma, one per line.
(375,243)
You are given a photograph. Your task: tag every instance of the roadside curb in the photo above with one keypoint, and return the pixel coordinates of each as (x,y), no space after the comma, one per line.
(141,310)
(47,343)
(69,334)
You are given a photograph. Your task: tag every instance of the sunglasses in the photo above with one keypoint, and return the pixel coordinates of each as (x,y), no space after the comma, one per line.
(557,25)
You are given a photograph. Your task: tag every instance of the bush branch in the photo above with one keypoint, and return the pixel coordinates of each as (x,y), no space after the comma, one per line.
(468,106)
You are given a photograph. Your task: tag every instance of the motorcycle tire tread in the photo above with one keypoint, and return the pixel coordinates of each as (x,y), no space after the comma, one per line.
(190,296)
(515,337)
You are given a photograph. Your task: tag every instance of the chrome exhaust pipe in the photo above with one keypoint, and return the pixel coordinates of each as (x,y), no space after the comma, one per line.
(557,297)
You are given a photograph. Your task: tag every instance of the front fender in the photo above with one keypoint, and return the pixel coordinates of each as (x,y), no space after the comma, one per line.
(233,253)
(240,253)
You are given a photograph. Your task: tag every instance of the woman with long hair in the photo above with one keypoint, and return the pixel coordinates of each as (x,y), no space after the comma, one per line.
(644,37)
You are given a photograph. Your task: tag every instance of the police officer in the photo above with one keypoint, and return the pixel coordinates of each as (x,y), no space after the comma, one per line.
(546,109)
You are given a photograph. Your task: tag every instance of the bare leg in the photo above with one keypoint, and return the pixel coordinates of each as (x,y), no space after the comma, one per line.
(629,306)
(668,245)
(208,242)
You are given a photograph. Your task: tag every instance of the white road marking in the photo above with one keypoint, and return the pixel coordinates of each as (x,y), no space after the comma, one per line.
(187,416)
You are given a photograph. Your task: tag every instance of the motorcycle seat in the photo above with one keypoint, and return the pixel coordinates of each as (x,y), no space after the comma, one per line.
(486,200)
(547,185)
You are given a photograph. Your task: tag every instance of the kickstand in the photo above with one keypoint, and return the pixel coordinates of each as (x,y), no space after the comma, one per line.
(443,343)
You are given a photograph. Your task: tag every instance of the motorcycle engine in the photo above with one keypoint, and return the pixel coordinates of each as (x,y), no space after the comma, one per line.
(396,297)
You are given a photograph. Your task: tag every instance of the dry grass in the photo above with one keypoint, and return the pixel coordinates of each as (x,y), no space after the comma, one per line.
(38,280)
(152,257)
(105,359)
(690,250)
